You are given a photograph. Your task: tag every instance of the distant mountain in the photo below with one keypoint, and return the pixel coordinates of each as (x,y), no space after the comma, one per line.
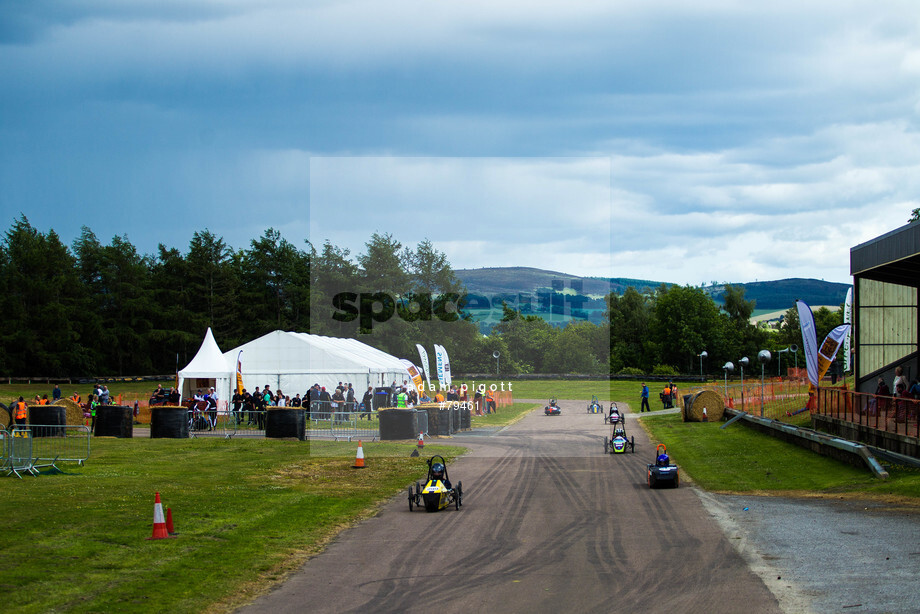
(526,280)
(783,293)
(769,295)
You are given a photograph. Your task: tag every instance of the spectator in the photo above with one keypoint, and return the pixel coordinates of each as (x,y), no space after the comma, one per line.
(645,406)
(882,394)
(20,412)
(56,393)
(350,398)
(367,403)
(237,401)
(898,378)
(212,409)
(337,399)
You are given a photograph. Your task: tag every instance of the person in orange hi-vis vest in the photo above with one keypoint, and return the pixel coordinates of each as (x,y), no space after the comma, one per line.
(19,411)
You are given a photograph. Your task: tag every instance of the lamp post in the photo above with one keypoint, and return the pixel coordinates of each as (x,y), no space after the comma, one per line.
(728,368)
(495,355)
(764,357)
(743,363)
(701,356)
(779,364)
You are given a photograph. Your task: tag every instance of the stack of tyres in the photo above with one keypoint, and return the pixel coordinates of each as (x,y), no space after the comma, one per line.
(398,424)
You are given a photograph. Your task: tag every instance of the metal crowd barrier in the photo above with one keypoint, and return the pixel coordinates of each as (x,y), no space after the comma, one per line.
(244,424)
(33,447)
(343,425)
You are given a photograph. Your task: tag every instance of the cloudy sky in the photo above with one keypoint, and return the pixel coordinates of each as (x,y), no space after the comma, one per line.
(666,140)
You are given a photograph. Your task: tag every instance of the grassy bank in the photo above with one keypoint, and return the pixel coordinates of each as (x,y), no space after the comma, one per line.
(740,460)
(247,511)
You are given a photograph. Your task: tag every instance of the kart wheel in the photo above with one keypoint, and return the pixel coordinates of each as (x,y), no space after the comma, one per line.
(651,480)
(676,480)
(632,444)
(411,497)
(606,445)
(459,495)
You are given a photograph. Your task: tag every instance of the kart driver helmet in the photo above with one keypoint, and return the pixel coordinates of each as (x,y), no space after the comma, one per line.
(663,460)
(437,471)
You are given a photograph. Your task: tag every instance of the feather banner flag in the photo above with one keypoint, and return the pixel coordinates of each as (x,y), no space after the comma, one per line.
(848,319)
(817,361)
(443,364)
(239,373)
(829,348)
(426,366)
(412,370)
(809,340)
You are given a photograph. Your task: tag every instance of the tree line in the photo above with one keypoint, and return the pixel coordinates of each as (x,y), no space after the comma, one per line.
(104,309)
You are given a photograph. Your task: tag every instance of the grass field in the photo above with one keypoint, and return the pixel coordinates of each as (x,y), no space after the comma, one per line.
(247,512)
(76,542)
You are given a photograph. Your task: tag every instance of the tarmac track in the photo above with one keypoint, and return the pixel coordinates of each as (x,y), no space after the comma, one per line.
(549,523)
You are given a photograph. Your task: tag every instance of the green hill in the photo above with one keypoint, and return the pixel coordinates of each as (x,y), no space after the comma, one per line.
(528,281)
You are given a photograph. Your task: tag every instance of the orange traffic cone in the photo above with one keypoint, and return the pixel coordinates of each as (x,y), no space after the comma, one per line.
(159,524)
(169,524)
(359,459)
(421,440)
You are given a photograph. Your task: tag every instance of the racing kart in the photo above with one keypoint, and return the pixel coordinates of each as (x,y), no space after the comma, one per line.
(614,417)
(662,472)
(437,493)
(619,442)
(552,409)
(595,407)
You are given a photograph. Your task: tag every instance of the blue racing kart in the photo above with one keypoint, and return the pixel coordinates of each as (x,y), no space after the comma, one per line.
(595,407)
(662,472)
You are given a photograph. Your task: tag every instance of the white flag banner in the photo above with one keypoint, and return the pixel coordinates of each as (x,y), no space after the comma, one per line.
(848,319)
(443,364)
(426,366)
(809,340)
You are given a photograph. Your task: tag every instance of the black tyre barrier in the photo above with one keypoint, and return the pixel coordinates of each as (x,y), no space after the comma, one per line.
(168,423)
(281,423)
(465,418)
(398,424)
(114,421)
(45,418)
(439,421)
(454,417)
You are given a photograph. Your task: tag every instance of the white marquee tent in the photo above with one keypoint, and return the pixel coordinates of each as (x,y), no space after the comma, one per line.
(208,368)
(292,362)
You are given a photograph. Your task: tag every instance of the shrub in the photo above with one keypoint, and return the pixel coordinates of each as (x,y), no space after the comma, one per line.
(631,371)
(664,370)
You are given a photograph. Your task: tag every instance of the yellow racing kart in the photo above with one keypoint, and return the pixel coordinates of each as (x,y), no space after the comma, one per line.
(437,493)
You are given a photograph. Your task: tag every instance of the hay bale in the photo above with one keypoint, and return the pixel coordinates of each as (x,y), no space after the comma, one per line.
(709,399)
(73,411)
